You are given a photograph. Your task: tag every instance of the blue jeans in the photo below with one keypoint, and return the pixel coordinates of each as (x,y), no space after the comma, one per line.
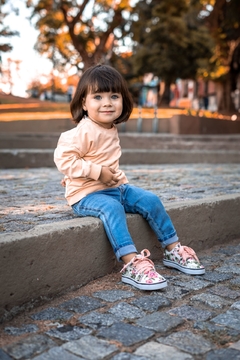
(111,206)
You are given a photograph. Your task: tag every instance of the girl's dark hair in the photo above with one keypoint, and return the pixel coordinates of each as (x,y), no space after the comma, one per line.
(101,78)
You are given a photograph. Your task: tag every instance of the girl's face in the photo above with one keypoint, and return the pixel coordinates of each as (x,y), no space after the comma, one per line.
(103,107)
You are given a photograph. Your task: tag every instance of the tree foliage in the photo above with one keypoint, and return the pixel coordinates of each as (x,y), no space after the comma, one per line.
(224,23)
(83,32)
(170,39)
(223,20)
(5,31)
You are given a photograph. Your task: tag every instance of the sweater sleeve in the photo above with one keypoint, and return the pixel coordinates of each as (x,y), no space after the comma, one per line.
(69,159)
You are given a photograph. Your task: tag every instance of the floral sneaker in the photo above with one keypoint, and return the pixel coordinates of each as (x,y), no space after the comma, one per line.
(184,259)
(140,272)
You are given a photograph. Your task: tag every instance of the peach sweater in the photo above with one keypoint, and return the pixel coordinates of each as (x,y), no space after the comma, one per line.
(80,154)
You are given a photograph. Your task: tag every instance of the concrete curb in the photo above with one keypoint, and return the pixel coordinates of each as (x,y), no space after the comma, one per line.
(149,156)
(35,158)
(15,140)
(53,258)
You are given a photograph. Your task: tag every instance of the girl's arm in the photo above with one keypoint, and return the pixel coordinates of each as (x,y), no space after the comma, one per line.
(70,163)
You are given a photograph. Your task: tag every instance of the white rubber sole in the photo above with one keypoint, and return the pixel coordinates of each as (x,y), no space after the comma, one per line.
(183,269)
(139,286)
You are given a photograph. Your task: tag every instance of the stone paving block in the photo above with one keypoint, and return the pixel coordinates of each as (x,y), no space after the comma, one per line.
(206,325)
(235,281)
(223,354)
(209,261)
(96,320)
(33,345)
(220,331)
(215,277)
(160,322)
(176,276)
(224,291)
(211,300)
(52,314)
(236,305)
(230,318)
(82,304)
(16,331)
(126,311)
(4,356)
(128,356)
(191,313)
(235,345)
(68,332)
(56,353)
(236,258)
(157,351)
(188,342)
(90,347)
(229,268)
(113,295)
(127,334)
(229,250)
(151,302)
(192,285)
(175,292)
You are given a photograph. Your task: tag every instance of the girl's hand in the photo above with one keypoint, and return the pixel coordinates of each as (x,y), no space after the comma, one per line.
(63,182)
(108,176)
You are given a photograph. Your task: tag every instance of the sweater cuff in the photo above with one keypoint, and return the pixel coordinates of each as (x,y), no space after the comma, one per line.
(95,171)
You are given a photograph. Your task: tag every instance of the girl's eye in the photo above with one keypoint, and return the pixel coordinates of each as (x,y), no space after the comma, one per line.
(115,96)
(97,97)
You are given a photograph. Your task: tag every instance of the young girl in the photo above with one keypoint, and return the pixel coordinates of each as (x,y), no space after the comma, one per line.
(88,156)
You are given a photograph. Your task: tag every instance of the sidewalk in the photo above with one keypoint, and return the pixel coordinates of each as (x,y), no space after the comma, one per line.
(31,197)
(193,318)
(42,242)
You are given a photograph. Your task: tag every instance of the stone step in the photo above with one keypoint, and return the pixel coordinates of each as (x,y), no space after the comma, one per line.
(53,258)
(35,158)
(24,140)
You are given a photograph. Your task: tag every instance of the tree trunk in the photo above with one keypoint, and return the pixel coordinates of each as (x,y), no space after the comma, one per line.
(165,99)
(227,94)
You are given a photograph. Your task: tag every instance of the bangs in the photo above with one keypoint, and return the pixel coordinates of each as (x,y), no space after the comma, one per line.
(101,82)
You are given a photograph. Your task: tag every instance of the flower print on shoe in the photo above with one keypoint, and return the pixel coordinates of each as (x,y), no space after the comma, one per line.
(184,259)
(140,272)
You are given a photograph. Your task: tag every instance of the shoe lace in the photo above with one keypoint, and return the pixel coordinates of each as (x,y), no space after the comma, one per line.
(141,263)
(187,252)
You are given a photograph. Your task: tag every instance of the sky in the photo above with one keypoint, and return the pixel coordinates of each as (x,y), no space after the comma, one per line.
(32,65)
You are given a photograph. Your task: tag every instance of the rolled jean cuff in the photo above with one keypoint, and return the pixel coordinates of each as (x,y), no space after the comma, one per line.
(125,250)
(169,241)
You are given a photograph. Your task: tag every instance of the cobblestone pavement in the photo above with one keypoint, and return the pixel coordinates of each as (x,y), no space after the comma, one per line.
(34,196)
(193,318)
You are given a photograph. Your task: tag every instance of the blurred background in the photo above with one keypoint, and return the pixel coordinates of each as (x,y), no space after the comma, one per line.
(174,53)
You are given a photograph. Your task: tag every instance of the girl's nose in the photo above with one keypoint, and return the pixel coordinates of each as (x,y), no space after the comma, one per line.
(108,102)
